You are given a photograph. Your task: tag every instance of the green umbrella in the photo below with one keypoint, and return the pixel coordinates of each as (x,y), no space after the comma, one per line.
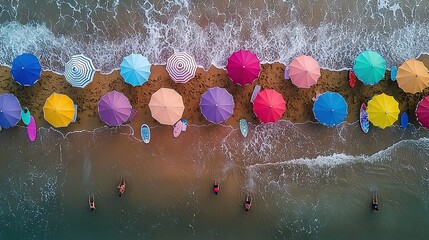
(369,67)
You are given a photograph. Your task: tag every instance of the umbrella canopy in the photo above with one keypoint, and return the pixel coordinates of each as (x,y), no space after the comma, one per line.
(26,69)
(330,108)
(383,110)
(422,112)
(10,110)
(114,108)
(79,71)
(217,105)
(166,106)
(135,69)
(243,67)
(269,105)
(59,110)
(181,67)
(369,67)
(412,76)
(304,71)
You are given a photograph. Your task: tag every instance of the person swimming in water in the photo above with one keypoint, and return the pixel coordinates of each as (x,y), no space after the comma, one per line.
(216,187)
(121,187)
(374,205)
(91,202)
(248,203)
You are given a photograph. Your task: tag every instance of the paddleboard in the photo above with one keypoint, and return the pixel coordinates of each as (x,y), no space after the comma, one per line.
(177,129)
(255,92)
(32,129)
(393,73)
(243,127)
(352,79)
(25,115)
(363,118)
(145,133)
(404,120)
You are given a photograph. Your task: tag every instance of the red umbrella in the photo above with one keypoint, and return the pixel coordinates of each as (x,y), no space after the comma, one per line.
(269,105)
(243,67)
(422,112)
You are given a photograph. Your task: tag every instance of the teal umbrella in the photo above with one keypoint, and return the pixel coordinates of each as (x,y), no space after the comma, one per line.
(369,67)
(135,69)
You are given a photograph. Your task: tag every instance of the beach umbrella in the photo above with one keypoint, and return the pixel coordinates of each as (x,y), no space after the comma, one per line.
(166,106)
(369,67)
(59,110)
(304,71)
(243,67)
(26,69)
(330,108)
(114,108)
(269,105)
(383,110)
(412,76)
(217,105)
(422,112)
(79,71)
(181,67)
(135,69)
(10,110)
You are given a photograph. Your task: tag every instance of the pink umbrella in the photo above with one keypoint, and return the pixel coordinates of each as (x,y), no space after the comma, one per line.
(243,67)
(304,71)
(422,112)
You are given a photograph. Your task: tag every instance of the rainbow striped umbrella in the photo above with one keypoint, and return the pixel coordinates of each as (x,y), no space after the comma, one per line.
(79,71)
(181,67)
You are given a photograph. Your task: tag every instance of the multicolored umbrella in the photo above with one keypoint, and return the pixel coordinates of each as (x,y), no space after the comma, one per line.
(412,76)
(59,110)
(166,106)
(422,112)
(330,108)
(369,67)
(269,106)
(26,69)
(135,69)
(181,67)
(114,108)
(217,105)
(79,71)
(10,110)
(243,67)
(383,110)
(304,71)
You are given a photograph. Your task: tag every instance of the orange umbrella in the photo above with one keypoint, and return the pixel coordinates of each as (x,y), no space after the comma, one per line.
(166,106)
(304,71)
(412,76)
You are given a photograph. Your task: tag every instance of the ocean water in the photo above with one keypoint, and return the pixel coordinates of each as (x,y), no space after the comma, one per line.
(332,31)
(307,181)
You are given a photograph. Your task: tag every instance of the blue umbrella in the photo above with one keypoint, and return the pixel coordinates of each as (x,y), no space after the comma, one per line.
(79,71)
(10,110)
(330,109)
(26,69)
(135,69)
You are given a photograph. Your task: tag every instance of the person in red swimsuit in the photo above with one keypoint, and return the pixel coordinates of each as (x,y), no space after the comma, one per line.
(216,187)
(121,187)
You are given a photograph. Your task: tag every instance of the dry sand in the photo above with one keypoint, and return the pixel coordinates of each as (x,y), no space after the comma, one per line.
(299,101)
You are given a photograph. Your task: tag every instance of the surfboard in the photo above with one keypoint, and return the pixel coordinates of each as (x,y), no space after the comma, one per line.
(287,74)
(243,127)
(184,125)
(352,79)
(145,133)
(393,73)
(32,129)
(363,118)
(177,128)
(404,120)
(25,115)
(255,92)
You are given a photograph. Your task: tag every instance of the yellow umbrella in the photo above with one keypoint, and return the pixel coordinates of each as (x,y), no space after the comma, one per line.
(383,110)
(59,110)
(412,76)
(166,106)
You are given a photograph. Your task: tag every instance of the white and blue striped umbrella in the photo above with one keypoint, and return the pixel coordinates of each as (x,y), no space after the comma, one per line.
(79,71)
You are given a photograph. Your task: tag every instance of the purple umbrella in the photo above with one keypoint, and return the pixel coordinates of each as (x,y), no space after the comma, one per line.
(114,108)
(217,105)
(10,110)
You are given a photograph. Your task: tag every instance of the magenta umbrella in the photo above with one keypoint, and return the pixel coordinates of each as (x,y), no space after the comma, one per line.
(422,112)
(243,67)
(114,108)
